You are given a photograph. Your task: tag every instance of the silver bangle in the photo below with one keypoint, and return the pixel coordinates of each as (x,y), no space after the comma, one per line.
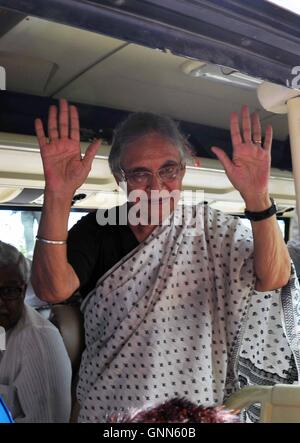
(51,242)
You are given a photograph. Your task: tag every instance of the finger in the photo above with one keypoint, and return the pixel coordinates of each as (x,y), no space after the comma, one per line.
(91,152)
(256,128)
(268,138)
(74,120)
(63,118)
(235,129)
(223,157)
(246,124)
(52,123)
(40,133)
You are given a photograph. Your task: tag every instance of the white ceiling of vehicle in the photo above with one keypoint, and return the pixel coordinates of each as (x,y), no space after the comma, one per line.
(48,59)
(42,58)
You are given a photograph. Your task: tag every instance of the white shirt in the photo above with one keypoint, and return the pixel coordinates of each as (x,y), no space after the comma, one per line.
(35,371)
(32,300)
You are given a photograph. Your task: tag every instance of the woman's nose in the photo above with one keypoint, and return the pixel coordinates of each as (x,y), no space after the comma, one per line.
(156,182)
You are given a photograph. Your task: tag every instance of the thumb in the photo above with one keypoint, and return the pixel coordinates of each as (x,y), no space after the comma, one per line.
(91,152)
(223,157)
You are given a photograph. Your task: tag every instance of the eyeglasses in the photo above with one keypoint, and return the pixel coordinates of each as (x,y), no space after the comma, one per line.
(166,174)
(11,293)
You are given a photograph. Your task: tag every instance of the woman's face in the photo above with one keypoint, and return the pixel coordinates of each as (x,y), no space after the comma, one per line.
(150,160)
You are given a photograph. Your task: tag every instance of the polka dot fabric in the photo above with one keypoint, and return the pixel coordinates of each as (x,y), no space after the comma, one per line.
(269,351)
(165,320)
(265,308)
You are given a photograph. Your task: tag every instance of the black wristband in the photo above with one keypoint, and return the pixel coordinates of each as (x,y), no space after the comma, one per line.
(262,215)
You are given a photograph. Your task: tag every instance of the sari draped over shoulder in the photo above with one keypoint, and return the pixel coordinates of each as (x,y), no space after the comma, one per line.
(171,318)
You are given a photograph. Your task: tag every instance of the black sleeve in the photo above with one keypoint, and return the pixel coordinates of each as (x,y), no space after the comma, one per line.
(83,245)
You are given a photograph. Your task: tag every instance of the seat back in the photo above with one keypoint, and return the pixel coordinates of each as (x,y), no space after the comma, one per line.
(69,321)
(279,403)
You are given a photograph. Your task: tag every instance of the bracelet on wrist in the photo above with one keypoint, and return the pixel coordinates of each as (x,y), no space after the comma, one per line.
(51,242)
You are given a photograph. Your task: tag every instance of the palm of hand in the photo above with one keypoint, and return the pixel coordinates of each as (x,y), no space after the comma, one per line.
(250,168)
(64,168)
(63,164)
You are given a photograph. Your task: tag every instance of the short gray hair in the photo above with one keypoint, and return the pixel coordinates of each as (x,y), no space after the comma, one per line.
(139,124)
(10,256)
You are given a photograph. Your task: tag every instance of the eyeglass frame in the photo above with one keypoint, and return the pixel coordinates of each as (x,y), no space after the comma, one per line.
(180,167)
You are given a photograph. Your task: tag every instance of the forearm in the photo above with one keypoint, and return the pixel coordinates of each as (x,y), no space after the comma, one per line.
(272,262)
(53,278)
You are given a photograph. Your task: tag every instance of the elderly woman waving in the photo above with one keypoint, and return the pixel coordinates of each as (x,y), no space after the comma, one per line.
(167,313)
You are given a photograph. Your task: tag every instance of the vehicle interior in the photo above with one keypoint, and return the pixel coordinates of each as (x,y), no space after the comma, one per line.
(107,78)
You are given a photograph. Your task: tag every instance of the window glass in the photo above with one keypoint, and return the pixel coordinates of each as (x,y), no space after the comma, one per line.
(19,228)
(281,223)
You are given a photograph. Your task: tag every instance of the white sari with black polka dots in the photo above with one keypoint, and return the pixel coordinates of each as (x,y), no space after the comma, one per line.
(169,319)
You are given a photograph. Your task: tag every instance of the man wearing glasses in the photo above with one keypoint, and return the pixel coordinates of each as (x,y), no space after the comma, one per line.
(165,306)
(35,371)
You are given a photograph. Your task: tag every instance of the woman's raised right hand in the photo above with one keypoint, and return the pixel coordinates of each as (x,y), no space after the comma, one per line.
(65,169)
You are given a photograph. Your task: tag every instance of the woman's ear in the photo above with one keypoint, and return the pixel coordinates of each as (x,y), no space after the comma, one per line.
(197,162)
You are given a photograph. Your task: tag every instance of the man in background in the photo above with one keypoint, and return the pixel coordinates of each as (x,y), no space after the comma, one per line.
(35,370)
